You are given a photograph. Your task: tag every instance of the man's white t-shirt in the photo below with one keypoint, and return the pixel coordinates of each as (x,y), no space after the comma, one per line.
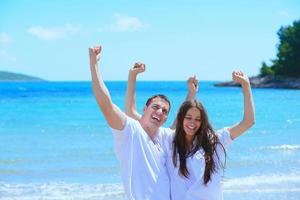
(142,162)
(193,188)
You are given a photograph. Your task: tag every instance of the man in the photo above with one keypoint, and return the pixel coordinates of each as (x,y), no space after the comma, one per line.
(130,104)
(138,143)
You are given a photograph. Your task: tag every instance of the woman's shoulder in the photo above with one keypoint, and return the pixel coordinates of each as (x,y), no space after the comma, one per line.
(224,136)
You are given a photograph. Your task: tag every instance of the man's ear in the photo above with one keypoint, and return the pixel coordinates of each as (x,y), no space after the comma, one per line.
(145,107)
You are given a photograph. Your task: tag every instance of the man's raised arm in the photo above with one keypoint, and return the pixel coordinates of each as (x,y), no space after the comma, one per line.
(130,104)
(115,118)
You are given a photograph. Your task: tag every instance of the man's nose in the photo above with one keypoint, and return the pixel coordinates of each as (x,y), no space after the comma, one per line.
(159,110)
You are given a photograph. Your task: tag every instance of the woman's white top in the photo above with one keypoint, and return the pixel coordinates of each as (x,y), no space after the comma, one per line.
(193,188)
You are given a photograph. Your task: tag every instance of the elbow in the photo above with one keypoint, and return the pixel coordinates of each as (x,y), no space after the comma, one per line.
(106,108)
(253,121)
(129,113)
(250,123)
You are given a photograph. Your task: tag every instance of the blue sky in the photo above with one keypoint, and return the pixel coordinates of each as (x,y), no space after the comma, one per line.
(175,39)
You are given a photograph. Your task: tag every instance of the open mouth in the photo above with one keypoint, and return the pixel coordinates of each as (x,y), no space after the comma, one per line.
(190,127)
(156,118)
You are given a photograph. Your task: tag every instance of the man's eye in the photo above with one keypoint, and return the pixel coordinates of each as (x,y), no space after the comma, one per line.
(165,111)
(155,107)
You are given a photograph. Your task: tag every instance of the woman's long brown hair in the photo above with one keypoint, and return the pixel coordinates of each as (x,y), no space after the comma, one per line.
(205,138)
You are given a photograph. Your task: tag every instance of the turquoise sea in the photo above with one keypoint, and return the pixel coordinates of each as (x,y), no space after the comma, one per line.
(55,144)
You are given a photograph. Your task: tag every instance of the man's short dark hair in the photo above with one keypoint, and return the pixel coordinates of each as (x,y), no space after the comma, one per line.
(164,97)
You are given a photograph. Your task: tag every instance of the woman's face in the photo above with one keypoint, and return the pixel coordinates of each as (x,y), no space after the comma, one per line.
(191,122)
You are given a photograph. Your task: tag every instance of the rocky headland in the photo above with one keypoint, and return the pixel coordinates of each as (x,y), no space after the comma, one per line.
(279,82)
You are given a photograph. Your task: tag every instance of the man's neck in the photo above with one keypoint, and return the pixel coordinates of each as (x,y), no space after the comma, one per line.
(150,130)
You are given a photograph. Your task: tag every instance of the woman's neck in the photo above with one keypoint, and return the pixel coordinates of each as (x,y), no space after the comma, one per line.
(189,142)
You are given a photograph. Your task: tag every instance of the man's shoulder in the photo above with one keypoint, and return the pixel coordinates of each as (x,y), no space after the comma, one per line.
(130,125)
(165,130)
(165,133)
(131,121)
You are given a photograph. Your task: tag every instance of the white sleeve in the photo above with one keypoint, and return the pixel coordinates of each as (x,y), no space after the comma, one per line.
(224,136)
(122,138)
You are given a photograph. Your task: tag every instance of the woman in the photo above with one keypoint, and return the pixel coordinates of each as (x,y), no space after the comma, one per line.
(196,153)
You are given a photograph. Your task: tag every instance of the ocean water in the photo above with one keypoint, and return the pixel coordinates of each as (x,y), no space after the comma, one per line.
(55,144)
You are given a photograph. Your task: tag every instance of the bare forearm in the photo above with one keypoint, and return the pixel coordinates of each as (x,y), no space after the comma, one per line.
(130,93)
(100,91)
(130,104)
(190,96)
(249,113)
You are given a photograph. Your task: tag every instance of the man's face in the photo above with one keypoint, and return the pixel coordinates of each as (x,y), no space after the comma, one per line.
(156,113)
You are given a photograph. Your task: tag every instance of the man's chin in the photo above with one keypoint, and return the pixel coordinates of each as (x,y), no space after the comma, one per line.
(156,123)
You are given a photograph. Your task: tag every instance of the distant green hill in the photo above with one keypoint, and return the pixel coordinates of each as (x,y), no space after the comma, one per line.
(9,76)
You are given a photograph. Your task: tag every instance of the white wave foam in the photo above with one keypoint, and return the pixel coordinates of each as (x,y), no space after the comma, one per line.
(260,187)
(283,147)
(274,183)
(45,191)
(265,190)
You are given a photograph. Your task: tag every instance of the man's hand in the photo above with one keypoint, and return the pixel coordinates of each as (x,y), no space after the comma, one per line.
(94,54)
(138,68)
